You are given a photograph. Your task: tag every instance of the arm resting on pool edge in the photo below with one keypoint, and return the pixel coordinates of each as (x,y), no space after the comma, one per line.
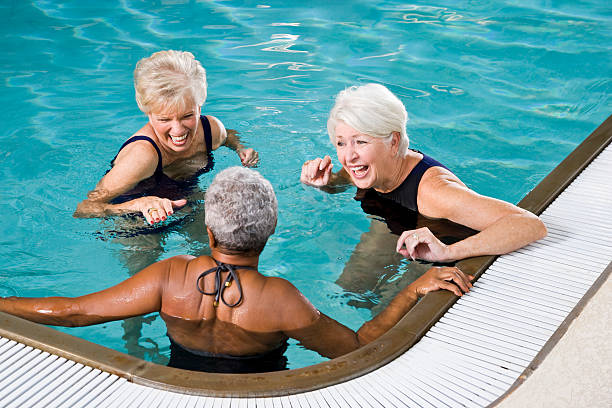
(503,227)
(137,295)
(332,339)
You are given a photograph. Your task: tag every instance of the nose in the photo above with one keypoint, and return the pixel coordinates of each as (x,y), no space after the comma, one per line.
(177,128)
(350,153)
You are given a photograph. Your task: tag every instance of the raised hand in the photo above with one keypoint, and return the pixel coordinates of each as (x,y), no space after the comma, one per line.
(317,172)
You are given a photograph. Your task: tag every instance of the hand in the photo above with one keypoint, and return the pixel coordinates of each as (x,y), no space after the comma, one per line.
(248,157)
(422,244)
(317,172)
(436,278)
(156,209)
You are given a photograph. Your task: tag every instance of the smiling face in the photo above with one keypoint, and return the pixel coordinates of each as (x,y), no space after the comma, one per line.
(368,160)
(176,128)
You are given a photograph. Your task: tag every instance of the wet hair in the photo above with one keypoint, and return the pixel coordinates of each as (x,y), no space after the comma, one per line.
(240,210)
(371,109)
(169,80)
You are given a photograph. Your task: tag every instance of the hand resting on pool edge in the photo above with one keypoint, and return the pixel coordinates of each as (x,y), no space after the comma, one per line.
(221,313)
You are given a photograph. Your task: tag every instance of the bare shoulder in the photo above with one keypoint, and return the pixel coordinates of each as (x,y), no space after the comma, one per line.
(291,309)
(140,150)
(219,133)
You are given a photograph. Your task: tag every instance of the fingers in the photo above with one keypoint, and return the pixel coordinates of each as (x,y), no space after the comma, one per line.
(249,157)
(178,203)
(316,172)
(159,209)
(460,279)
(450,287)
(409,239)
(324,163)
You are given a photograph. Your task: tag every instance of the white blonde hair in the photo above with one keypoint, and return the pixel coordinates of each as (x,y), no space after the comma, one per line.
(240,209)
(169,79)
(371,109)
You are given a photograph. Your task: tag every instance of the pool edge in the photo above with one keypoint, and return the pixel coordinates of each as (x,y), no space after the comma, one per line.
(355,364)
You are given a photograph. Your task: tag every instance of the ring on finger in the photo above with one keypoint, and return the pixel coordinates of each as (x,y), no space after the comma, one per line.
(415,236)
(150,210)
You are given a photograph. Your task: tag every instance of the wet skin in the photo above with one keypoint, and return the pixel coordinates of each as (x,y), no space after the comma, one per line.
(271,311)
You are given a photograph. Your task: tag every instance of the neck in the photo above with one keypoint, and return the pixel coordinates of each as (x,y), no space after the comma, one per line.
(400,168)
(235,259)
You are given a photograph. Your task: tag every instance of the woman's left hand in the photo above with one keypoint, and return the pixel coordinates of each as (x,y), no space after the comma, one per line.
(422,244)
(248,157)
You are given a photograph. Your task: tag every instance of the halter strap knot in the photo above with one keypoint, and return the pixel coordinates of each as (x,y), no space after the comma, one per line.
(220,288)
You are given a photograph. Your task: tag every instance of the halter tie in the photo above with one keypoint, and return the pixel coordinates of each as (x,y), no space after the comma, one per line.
(219,288)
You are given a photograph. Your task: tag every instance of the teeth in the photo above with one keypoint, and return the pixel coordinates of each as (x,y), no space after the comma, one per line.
(359,170)
(179,139)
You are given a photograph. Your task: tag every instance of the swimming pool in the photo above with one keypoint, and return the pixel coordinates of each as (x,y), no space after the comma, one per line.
(499,93)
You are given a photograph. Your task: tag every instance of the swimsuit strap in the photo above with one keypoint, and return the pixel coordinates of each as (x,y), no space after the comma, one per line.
(219,288)
(210,163)
(159,169)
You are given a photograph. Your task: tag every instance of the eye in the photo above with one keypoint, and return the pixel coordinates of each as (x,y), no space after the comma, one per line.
(362,142)
(188,115)
(339,143)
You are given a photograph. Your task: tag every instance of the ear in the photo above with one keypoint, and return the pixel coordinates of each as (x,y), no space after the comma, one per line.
(395,142)
(211,238)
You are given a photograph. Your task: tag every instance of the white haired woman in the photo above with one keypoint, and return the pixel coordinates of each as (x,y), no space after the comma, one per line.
(368,127)
(158,165)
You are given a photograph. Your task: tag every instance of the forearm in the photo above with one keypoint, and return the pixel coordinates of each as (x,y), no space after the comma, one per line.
(507,234)
(397,308)
(57,311)
(94,209)
(233,141)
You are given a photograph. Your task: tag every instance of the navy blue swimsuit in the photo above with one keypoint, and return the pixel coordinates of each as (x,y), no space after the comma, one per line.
(159,184)
(406,193)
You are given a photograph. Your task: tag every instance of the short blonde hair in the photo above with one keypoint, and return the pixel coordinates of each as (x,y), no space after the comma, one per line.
(371,109)
(169,79)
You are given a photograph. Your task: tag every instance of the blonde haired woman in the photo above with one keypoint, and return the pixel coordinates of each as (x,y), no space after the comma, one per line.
(158,165)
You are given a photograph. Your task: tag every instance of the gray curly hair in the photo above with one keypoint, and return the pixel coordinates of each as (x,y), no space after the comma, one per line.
(240,209)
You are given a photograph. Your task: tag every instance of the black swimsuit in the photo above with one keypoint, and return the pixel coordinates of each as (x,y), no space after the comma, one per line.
(159,184)
(406,193)
(198,360)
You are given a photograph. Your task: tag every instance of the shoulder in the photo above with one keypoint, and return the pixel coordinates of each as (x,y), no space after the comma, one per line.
(292,308)
(219,133)
(438,189)
(139,151)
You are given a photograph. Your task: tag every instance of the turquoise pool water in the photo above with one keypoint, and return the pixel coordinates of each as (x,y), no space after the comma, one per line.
(499,92)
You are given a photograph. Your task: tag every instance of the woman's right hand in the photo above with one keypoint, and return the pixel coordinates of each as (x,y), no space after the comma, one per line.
(317,172)
(156,209)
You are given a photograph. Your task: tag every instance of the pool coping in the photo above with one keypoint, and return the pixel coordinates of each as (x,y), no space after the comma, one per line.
(355,364)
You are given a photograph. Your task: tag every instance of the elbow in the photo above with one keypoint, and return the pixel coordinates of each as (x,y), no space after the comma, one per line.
(539,228)
(543,231)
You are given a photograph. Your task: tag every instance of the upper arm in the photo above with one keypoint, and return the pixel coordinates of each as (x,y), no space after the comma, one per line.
(442,195)
(136,162)
(300,320)
(137,295)
(219,133)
